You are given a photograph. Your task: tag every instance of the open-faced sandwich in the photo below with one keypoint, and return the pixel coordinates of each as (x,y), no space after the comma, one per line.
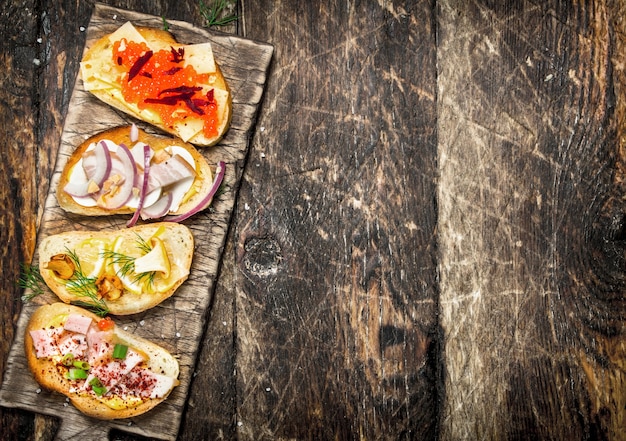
(126,170)
(146,73)
(119,272)
(106,372)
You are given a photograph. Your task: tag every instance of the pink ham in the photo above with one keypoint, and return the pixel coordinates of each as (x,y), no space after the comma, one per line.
(100,345)
(45,341)
(144,383)
(77,323)
(72,343)
(114,371)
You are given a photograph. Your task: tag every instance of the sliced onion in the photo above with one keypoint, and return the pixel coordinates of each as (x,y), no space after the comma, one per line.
(129,173)
(144,185)
(134,133)
(102,170)
(77,189)
(206,201)
(103,163)
(159,209)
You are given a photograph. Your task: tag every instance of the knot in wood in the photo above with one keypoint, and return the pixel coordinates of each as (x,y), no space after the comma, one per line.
(262,257)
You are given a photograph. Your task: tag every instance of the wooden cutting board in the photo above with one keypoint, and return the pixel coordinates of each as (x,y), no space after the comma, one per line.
(178,323)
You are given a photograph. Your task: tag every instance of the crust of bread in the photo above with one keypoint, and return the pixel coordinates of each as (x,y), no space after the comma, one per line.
(179,243)
(159,39)
(48,376)
(121,135)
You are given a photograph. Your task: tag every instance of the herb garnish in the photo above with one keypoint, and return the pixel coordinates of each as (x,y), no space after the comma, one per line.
(30,278)
(79,285)
(127,263)
(213,13)
(83,286)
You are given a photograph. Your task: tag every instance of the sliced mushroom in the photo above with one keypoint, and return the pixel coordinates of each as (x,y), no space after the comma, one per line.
(62,266)
(109,287)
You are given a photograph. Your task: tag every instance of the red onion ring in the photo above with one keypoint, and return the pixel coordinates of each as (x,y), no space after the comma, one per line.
(206,201)
(144,185)
(103,155)
(129,173)
(102,171)
(159,209)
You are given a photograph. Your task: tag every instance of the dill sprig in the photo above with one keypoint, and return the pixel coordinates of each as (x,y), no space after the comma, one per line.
(213,13)
(31,278)
(127,263)
(83,286)
(142,244)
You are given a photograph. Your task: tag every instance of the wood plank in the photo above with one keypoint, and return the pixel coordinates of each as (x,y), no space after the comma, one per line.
(531,278)
(178,323)
(337,288)
(18,50)
(531,159)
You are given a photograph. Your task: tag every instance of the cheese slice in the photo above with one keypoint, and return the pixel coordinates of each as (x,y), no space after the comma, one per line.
(99,74)
(221,98)
(200,56)
(115,94)
(187,129)
(129,32)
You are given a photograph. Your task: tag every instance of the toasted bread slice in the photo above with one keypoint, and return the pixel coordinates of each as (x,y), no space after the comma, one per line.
(193,191)
(123,271)
(46,327)
(106,74)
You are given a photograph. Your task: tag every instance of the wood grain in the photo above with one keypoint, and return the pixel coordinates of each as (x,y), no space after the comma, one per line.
(337,295)
(177,324)
(429,238)
(17,180)
(531,283)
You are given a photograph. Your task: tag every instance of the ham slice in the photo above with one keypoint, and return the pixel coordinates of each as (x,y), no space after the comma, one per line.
(114,371)
(45,341)
(144,383)
(100,345)
(73,343)
(77,323)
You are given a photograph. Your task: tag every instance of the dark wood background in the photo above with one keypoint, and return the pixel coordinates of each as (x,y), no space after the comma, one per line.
(429,238)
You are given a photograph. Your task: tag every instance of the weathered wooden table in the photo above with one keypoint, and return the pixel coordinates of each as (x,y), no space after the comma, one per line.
(429,234)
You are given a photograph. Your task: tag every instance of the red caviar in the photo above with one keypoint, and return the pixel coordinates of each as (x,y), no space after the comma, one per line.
(106,324)
(160,82)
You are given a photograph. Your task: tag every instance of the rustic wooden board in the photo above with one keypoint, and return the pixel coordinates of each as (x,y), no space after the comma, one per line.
(178,323)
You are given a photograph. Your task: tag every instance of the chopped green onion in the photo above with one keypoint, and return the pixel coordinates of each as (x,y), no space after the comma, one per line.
(97,387)
(119,351)
(68,360)
(82,365)
(76,374)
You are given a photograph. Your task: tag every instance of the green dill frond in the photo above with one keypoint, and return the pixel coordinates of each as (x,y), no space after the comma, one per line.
(100,308)
(220,190)
(85,287)
(30,278)
(126,263)
(214,13)
(75,260)
(142,244)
